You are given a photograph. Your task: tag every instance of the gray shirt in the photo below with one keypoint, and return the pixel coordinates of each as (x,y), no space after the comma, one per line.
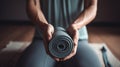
(63,12)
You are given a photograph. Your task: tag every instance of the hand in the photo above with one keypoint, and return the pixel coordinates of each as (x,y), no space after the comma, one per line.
(73,32)
(48,31)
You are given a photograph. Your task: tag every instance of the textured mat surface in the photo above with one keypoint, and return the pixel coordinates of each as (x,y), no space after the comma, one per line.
(61,44)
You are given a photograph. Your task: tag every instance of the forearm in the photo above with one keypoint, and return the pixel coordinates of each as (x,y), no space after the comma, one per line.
(34,12)
(87,15)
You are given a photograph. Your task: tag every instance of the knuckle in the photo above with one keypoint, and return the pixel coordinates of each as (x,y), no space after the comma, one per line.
(74,53)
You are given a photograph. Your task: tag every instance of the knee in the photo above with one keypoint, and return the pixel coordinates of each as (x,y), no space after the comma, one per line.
(87,56)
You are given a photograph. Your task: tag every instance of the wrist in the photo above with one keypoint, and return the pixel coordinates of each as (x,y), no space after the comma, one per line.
(42,25)
(46,27)
(77,25)
(74,26)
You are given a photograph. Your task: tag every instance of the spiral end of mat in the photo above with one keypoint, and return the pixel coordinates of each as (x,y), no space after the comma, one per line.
(61,44)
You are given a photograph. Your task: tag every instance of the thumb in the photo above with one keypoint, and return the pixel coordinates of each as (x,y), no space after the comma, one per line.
(76,38)
(49,36)
(50,32)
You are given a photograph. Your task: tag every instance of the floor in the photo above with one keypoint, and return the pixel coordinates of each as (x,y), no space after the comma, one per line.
(108,35)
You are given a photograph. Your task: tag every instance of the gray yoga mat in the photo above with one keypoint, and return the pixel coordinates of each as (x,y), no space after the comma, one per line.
(61,44)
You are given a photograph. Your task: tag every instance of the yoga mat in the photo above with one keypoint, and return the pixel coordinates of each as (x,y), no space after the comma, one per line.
(61,44)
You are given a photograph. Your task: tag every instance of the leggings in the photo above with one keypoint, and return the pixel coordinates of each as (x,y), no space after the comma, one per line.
(35,56)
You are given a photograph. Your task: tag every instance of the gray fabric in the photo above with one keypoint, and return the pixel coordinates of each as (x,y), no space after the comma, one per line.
(63,12)
(61,44)
(35,56)
(82,33)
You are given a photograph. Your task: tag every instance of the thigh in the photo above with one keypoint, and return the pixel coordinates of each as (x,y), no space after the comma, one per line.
(85,57)
(35,56)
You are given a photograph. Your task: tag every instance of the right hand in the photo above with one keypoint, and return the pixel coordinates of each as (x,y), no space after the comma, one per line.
(47,32)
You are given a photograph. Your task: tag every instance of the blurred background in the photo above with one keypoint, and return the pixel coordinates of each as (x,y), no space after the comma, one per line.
(16,26)
(108,11)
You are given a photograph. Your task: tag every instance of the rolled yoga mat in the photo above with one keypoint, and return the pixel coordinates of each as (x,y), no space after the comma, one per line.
(61,44)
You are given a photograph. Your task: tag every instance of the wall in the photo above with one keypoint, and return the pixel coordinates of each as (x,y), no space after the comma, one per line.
(13,10)
(108,10)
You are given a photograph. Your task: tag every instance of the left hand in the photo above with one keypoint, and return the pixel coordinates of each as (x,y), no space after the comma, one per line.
(73,32)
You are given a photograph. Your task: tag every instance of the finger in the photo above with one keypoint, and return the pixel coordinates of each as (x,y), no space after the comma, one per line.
(57,59)
(50,33)
(61,59)
(49,36)
(69,56)
(75,39)
(73,53)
